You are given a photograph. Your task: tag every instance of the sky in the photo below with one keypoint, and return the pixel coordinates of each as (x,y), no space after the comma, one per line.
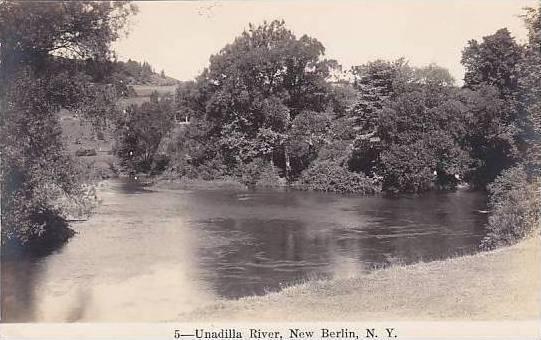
(180,36)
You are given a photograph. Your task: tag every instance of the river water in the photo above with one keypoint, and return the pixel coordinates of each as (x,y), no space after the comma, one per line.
(150,254)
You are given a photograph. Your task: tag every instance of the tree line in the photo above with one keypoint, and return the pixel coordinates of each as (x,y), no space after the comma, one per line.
(272,99)
(269,109)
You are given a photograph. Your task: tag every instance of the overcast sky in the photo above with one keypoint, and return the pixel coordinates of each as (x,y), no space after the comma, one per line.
(180,36)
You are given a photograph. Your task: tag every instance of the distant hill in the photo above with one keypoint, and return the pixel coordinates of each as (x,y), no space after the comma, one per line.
(135,73)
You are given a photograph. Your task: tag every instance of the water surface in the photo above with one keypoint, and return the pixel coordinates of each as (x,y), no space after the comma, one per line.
(150,254)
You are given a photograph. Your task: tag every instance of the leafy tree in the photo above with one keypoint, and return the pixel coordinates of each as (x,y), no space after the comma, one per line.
(31,31)
(433,76)
(189,101)
(140,131)
(422,144)
(263,80)
(494,62)
(376,82)
(530,89)
(39,43)
(491,134)
(195,152)
(309,132)
(514,198)
(496,128)
(401,112)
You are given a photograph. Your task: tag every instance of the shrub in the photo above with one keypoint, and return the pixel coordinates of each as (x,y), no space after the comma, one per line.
(332,177)
(515,208)
(249,173)
(259,173)
(269,177)
(408,168)
(140,130)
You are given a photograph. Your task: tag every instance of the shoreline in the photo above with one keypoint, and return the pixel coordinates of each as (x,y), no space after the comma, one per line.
(197,184)
(501,284)
(233,183)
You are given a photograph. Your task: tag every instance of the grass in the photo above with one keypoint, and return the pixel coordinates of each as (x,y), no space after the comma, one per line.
(503,284)
(143,94)
(146,90)
(78,134)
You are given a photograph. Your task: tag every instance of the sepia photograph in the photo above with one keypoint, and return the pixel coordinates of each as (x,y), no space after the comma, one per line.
(270,162)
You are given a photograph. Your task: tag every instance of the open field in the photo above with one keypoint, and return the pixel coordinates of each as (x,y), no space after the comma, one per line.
(143,93)
(146,90)
(79,136)
(501,284)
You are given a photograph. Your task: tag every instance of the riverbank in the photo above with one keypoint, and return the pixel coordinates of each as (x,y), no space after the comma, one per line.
(495,285)
(198,184)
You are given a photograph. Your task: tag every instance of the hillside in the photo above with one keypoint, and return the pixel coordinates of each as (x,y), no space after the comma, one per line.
(94,149)
(135,73)
(141,93)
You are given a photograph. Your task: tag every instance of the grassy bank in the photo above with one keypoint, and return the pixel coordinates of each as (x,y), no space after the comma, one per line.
(500,284)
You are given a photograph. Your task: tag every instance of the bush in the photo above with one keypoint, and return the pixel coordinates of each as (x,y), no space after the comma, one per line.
(515,208)
(408,168)
(140,130)
(259,173)
(332,177)
(269,177)
(250,172)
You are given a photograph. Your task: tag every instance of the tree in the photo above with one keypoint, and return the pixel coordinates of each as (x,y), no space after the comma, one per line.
(41,45)
(399,112)
(188,101)
(31,32)
(140,131)
(530,89)
(493,62)
(423,142)
(259,83)
(514,198)
(376,82)
(310,131)
(493,72)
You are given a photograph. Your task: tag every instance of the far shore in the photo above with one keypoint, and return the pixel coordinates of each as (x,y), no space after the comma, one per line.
(502,284)
(197,184)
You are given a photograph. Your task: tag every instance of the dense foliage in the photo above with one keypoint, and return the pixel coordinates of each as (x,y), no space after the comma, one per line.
(269,110)
(253,91)
(139,132)
(331,177)
(271,96)
(515,195)
(39,44)
(515,205)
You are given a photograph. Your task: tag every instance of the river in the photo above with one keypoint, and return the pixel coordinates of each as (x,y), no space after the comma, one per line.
(150,254)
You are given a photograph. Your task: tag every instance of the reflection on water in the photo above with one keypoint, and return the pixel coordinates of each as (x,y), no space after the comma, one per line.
(148,255)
